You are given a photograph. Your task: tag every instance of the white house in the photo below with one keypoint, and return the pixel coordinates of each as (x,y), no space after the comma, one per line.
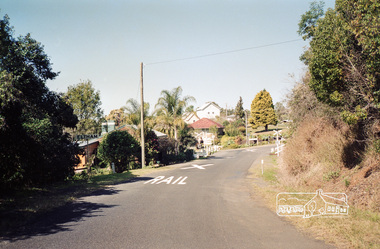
(190,117)
(209,110)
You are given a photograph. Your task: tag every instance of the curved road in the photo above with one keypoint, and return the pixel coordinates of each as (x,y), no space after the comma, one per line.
(200,204)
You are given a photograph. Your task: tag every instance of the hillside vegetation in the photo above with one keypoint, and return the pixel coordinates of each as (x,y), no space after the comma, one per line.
(335,107)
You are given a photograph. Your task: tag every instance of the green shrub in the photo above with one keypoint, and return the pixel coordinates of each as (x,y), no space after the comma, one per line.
(227,140)
(233,146)
(189,154)
(120,148)
(231,130)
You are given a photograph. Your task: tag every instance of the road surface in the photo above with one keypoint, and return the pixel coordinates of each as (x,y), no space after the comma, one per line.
(199,204)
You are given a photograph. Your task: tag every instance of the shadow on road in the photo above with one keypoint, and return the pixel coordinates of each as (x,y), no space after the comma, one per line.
(57,220)
(23,219)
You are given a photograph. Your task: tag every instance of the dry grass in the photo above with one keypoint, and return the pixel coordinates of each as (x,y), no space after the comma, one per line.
(361,229)
(316,144)
(314,159)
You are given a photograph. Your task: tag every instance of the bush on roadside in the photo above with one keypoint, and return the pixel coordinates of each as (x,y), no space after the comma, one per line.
(317,143)
(227,140)
(120,148)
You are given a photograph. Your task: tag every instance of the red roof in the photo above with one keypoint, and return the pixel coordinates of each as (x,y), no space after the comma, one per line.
(205,123)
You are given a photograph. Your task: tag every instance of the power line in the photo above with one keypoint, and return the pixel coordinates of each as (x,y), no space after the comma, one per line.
(225,52)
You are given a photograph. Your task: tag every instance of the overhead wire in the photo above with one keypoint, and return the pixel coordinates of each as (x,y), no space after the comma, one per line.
(221,53)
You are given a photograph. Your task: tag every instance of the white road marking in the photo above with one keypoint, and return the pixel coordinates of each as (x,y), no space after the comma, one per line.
(167,180)
(195,166)
(155,179)
(160,179)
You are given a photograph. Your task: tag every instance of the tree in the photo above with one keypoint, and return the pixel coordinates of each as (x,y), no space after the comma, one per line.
(133,112)
(239,110)
(281,111)
(120,148)
(262,110)
(118,116)
(34,150)
(191,109)
(303,103)
(170,108)
(86,104)
(306,26)
(186,137)
(344,60)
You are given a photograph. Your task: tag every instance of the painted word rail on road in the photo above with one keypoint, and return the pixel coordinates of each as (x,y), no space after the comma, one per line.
(169,180)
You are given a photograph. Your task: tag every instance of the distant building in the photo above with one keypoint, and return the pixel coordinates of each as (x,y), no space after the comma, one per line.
(231,118)
(209,110)
(190,117)
(202,130)
(90,146)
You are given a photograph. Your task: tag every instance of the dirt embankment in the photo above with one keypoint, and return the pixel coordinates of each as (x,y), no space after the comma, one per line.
(320,155)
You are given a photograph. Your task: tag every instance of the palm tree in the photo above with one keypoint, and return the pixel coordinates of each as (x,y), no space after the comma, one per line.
(133,111)
(170,108)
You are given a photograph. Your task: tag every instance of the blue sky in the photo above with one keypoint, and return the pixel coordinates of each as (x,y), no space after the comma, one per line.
(106,40)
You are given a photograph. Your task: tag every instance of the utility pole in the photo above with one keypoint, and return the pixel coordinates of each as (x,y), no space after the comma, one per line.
(246,127)
(142,117)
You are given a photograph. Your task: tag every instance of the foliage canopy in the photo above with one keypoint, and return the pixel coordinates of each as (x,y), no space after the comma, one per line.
(120,148)
(262,110)
(239,110)
(34,149)
(170,108)
(344,59)
(86,103)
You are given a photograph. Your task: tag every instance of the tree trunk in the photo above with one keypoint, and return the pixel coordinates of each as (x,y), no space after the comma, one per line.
(176,141)
(266,127)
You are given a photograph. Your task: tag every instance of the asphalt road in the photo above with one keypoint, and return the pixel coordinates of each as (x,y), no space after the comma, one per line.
(200,204)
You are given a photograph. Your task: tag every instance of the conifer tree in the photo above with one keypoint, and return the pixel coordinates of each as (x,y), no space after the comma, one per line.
(262,111)
(239,110)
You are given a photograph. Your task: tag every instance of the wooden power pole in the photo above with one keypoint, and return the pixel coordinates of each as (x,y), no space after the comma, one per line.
(142,117)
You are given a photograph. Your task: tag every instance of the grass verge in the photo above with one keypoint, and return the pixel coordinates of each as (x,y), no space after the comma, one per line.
(361,229)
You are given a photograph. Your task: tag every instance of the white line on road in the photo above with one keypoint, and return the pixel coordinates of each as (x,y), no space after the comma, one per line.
(195,166)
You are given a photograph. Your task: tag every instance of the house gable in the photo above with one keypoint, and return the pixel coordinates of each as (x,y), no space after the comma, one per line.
(190,118)
(209,110)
